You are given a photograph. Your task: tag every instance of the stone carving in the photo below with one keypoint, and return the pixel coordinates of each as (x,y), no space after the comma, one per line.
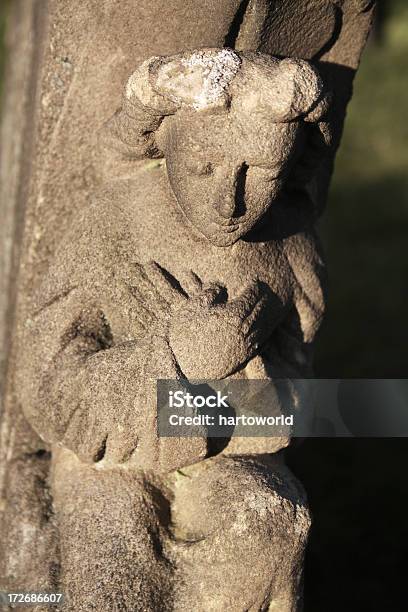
(216,166)
(231,288)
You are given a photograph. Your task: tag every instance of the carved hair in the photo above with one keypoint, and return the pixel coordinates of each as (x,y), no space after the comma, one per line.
(284,90)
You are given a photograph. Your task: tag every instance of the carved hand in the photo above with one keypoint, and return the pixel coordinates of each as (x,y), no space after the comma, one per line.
(158,295)
(209,336)
(211,339)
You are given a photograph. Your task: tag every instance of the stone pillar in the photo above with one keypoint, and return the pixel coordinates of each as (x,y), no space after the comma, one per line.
(202,263)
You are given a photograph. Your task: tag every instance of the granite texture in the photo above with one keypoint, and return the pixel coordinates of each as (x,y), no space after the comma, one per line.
(181,156)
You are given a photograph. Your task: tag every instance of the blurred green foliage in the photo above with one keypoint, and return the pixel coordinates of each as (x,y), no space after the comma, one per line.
(365,227)
(357,489)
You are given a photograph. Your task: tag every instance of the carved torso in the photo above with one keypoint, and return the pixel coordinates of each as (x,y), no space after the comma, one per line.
(125,225)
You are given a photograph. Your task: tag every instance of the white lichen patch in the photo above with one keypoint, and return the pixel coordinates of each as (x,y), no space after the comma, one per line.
(216,70)
(199,79)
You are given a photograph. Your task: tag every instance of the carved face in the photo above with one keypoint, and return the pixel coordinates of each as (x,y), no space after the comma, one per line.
(226,171)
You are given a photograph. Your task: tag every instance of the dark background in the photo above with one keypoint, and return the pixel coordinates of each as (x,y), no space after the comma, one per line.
(358,488)
(357,555)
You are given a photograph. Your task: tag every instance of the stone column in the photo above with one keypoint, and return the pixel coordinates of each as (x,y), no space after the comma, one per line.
(92,503)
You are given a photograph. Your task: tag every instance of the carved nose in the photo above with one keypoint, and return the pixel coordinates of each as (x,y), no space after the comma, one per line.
(231,201)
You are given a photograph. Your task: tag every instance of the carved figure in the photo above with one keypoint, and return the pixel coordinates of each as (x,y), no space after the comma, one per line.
(204,265)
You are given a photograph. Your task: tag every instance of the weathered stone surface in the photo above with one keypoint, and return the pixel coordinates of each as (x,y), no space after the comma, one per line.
(229,534)
(175,544)
(120,321)
(201,263)
(17,131)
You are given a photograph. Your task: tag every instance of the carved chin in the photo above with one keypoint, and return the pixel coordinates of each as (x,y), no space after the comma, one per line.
(223,240)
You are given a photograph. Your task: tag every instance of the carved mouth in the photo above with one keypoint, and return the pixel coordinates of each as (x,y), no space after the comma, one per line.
(227,222)
(226,235)
(228,228)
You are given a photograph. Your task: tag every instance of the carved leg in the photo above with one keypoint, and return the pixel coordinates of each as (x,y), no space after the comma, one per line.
(240,527)
(232,537)
(111,524)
